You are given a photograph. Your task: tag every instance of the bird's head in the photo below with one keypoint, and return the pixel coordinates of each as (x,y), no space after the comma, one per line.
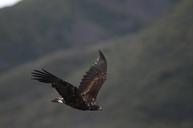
(100,108)
(96,108)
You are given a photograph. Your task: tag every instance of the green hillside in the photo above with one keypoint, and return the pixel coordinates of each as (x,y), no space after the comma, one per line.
(33,28)
(149,82)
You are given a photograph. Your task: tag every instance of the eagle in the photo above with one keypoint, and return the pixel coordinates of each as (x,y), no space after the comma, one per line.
(84,96)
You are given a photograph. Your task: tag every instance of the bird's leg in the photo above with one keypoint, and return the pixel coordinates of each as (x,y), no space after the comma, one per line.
(93,102)
(58,100)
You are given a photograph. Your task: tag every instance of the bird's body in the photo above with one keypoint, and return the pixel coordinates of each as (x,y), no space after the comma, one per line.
(82,97)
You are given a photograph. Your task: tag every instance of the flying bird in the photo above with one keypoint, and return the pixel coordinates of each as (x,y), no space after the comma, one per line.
(84,96)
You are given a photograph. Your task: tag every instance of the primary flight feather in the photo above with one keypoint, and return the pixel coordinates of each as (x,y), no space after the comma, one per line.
(84,96)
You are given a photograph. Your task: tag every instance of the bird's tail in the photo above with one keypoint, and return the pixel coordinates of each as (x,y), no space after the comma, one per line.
(44,76)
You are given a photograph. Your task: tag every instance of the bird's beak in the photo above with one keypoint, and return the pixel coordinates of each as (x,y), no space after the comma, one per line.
(100,108)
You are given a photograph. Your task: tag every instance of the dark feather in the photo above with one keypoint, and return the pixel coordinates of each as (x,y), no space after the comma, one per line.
(63,88)
(44,76)
(93,79)
(84,97)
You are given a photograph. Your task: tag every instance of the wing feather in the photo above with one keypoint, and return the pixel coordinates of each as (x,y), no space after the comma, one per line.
(65,89)
(93,80)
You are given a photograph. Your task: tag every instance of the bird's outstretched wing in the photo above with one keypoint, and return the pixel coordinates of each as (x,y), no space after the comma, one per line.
(64,88)
(93,79)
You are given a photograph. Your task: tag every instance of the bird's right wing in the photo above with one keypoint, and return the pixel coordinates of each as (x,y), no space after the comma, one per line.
(64,88)
(93,80)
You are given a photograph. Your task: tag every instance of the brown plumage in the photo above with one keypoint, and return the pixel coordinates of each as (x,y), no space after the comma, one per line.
(84,96)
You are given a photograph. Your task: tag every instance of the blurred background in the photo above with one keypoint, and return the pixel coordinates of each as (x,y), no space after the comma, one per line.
(148,45)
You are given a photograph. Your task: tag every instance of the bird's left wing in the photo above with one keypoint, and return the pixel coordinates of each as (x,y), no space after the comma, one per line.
(93,80)
(64,88)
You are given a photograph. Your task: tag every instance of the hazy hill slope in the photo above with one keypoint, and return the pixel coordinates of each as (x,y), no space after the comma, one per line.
(33,28)
(149,82)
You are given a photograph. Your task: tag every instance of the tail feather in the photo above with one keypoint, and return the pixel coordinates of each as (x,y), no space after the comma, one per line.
(44,76)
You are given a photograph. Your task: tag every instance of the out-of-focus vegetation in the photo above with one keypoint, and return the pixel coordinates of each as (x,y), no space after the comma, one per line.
(149,81)
(34,28)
